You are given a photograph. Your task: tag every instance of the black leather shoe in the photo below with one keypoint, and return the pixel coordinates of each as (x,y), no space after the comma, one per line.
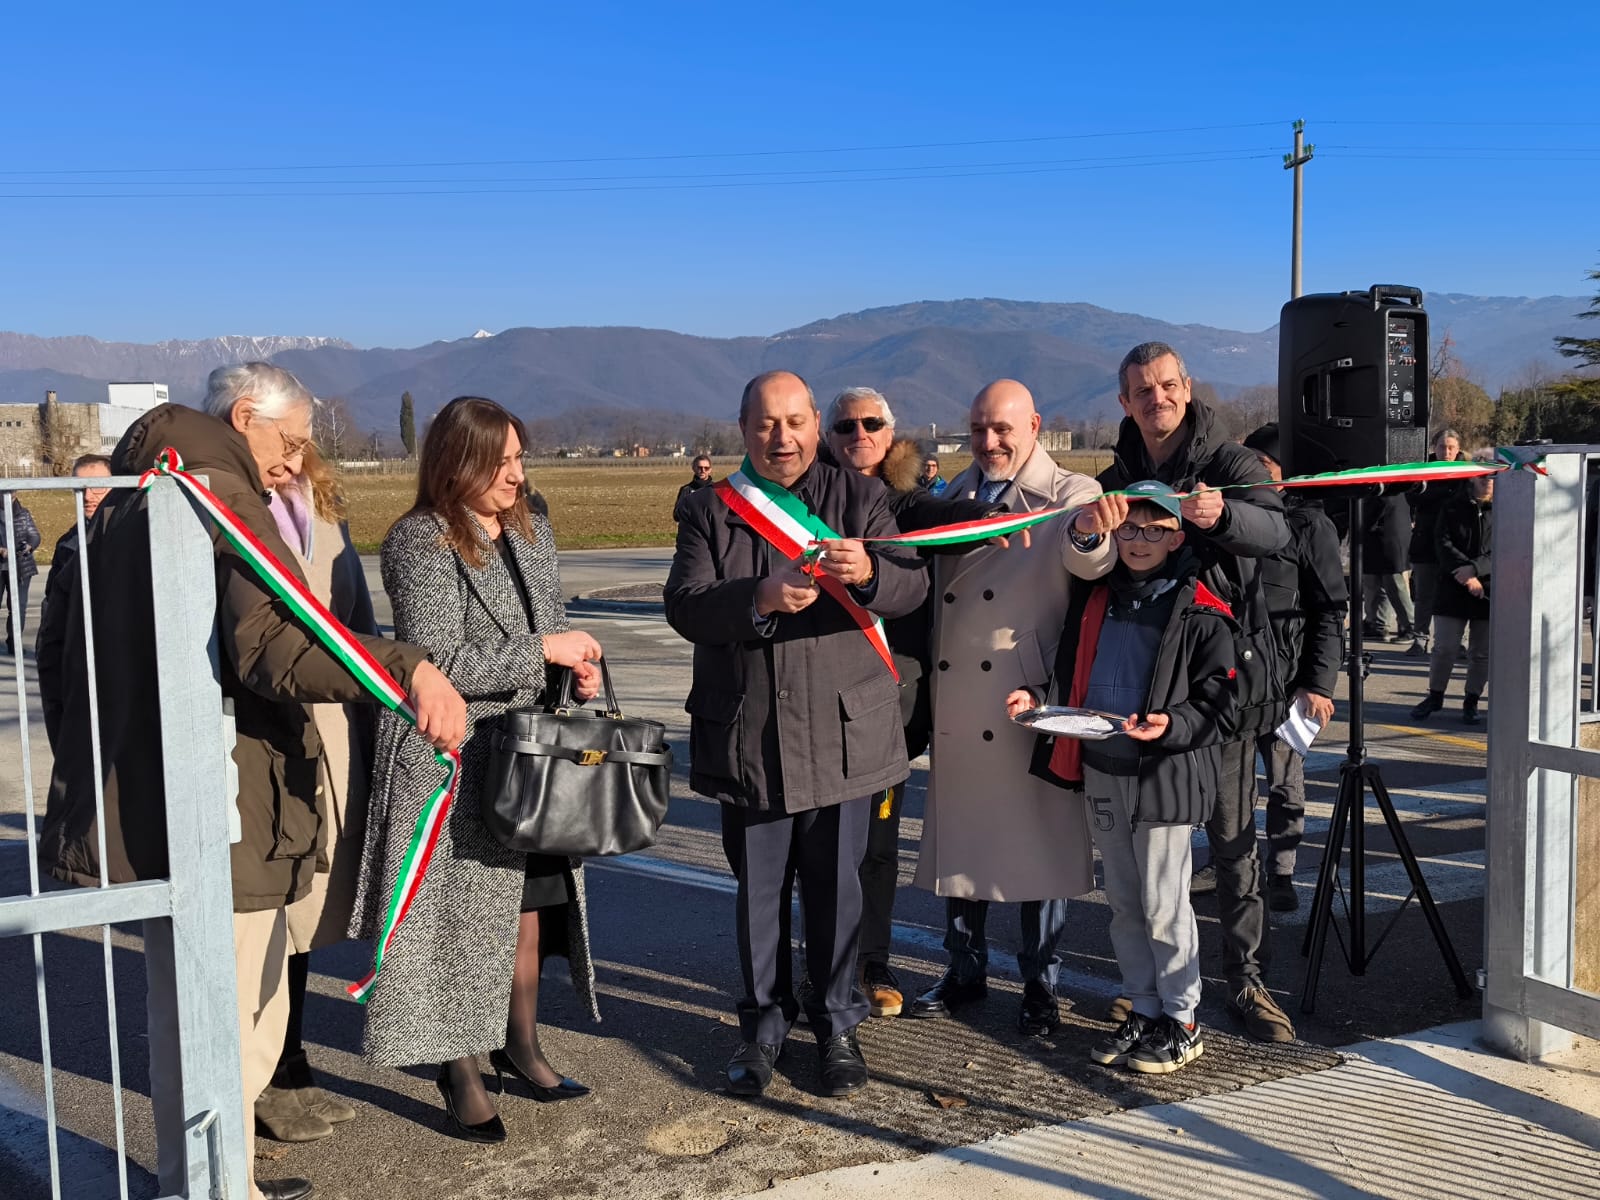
(843,1069)
(1041,1013)
(284,1189)
(750,1069)
(949,994)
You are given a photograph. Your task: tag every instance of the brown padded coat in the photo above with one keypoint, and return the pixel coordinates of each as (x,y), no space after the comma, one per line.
(271,669)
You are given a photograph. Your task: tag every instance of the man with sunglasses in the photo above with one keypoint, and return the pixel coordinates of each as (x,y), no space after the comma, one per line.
(860,435)
(991,830)
(702,479)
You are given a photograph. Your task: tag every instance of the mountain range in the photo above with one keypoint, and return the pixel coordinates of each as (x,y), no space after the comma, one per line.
(929,357)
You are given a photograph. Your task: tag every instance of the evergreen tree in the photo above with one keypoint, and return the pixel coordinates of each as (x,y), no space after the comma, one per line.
(408,425)
(1586,350)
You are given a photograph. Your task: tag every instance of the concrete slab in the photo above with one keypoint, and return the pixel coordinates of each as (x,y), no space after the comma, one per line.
(1421,1117)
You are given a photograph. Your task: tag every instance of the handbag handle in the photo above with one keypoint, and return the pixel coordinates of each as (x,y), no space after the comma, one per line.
(564,699)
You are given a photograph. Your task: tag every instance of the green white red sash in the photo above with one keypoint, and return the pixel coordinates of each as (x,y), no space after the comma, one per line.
(792,529)
(356,659)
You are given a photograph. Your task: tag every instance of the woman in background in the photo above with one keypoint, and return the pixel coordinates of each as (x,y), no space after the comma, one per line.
(1464,545)
(309,511)
(472,576)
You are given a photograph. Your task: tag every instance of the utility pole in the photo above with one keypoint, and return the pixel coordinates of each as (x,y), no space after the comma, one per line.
(1296,161)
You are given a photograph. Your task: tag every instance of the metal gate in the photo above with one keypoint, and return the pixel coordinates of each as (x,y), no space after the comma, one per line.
(194,907)
(1542,921)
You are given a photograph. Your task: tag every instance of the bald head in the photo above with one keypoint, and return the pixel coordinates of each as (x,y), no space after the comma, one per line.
(1005,428)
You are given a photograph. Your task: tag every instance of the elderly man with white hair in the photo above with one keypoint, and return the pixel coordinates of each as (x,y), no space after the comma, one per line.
(859,430)
(250,439)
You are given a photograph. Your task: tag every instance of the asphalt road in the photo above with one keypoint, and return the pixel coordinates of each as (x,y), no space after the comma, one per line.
(659,1124)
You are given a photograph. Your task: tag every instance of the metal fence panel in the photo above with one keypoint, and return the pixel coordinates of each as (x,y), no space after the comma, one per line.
(1537,756)
(193,910)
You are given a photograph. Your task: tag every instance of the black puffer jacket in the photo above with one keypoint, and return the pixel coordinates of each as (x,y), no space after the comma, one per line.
(1464,538)
(1387,537)
(1307,597)
(1426,505)
(1252,526)
(1193,683)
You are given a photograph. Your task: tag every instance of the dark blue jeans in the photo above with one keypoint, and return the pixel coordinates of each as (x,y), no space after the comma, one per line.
(1042,924)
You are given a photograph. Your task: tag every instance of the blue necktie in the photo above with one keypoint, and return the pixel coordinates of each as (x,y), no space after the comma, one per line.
(989,490)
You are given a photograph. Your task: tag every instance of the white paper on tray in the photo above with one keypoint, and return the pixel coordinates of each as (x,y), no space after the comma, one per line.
(1301,728)
(1067,723)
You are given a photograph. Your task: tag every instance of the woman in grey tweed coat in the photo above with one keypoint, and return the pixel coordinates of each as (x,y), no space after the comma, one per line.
(472,577)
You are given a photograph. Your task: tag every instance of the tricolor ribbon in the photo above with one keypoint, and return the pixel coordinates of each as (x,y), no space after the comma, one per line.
(792,529)
(356,659)
(1418,472)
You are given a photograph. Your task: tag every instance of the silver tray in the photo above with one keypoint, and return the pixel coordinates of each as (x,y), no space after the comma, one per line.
(1085,724)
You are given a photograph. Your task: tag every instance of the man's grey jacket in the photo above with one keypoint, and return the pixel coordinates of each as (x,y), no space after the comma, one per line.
(807,715)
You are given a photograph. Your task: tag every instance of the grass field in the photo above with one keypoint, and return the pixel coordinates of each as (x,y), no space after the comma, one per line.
(592,505)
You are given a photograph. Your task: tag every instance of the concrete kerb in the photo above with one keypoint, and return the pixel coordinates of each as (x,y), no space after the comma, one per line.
(616,600)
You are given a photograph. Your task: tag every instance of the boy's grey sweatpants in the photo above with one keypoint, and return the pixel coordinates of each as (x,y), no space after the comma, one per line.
(1153,929)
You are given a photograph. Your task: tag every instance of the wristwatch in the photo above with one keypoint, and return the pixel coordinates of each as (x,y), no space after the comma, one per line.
(1081,542)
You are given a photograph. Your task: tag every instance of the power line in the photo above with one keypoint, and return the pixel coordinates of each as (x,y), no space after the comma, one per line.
(695,186)
(552,162)
(1176,157)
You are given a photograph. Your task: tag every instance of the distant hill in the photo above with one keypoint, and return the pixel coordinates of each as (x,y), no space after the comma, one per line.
(929,357)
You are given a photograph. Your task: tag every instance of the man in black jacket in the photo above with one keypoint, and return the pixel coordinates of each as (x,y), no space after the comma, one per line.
(702,479)
(794,714)
(860,435)
(1172,438)
(1426,504)
(1307,597)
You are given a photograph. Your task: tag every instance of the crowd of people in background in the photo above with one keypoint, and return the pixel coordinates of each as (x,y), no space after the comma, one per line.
(1195,611)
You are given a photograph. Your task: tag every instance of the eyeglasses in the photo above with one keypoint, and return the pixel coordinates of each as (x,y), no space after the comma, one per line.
(293,447)
(1151,533)
(847,426)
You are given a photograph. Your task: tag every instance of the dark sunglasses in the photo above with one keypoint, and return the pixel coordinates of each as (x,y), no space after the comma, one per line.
(848,426)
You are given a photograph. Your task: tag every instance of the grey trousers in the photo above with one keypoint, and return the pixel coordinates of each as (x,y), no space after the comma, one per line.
(1448,632)
(1375,590)
(1153,929)
(1286,802)
(1241,911)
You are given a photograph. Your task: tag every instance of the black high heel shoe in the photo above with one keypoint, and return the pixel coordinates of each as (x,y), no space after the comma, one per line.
(490,1131)
(567,1089)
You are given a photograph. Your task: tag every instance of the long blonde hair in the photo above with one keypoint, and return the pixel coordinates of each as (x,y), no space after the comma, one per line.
(322,481)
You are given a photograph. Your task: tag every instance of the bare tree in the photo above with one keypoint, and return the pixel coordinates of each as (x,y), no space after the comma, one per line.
(334,430)
(60,437)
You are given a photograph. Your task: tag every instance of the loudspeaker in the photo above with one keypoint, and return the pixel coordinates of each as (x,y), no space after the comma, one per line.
(1353,379)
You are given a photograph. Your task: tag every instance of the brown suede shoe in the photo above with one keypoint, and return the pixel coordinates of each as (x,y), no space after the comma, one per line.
(335,1110)
(882,990)
(282,1115)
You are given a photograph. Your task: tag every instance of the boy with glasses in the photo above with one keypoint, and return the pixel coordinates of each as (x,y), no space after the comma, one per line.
(1150,641)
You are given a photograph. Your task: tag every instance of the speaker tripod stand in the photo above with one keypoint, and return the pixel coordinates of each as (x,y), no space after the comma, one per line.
(1358,775)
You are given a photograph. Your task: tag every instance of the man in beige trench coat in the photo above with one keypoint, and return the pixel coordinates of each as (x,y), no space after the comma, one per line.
(991,831)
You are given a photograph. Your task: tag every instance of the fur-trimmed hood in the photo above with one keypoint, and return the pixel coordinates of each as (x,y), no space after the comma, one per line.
(902,466)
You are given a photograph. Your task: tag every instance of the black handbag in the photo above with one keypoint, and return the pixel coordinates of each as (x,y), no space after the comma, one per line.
(585,784)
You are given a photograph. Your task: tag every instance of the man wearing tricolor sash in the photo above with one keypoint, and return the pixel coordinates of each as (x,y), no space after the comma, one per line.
(271,670)
(991,831)
(794,710)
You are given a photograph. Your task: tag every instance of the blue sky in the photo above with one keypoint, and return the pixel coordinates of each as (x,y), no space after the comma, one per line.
(165,173)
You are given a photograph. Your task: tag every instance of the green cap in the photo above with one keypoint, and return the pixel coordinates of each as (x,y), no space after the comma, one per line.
(1157,493)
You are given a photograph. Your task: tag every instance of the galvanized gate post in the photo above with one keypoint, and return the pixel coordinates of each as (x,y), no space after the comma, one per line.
(1533,664)
(197,798)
